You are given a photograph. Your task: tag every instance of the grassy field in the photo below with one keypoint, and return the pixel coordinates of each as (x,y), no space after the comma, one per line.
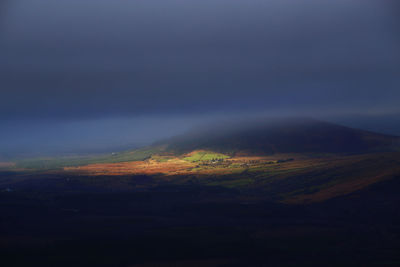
(61,162)
(205,156)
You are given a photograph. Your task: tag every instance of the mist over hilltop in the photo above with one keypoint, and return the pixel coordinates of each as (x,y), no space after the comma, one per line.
(93,75)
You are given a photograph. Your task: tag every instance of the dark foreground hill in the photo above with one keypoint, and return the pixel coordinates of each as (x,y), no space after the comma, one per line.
(264,136)
(199,207)
(334,211)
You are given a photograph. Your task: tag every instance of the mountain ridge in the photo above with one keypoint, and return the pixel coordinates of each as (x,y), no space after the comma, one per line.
(270,136)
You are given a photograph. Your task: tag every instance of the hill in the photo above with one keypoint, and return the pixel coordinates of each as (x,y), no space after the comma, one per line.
(255,137)
(322,202)
(270,136)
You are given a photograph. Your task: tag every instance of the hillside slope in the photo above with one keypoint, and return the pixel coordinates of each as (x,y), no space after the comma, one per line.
(242,138)
(280,136)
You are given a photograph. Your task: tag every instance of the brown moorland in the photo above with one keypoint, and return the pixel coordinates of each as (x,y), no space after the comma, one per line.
(293,178)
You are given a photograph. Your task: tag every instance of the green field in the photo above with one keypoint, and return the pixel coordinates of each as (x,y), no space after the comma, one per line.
(73,161)
(205,156)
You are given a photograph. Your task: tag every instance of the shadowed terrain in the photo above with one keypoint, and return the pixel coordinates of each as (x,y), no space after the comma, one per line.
(293,193)
(291,135)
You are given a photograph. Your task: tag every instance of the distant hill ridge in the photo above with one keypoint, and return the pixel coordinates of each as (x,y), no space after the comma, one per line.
(289,135)
(243,137)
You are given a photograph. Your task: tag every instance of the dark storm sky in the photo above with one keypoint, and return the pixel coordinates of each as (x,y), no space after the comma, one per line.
(131,62)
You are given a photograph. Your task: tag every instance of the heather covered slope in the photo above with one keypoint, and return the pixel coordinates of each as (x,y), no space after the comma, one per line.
(288,178)
(265,136)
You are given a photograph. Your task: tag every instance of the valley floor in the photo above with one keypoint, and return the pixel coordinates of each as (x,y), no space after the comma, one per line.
(282,210)
(291,178)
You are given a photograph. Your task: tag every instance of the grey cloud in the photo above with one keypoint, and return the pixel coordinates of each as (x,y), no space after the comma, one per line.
(93,59)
